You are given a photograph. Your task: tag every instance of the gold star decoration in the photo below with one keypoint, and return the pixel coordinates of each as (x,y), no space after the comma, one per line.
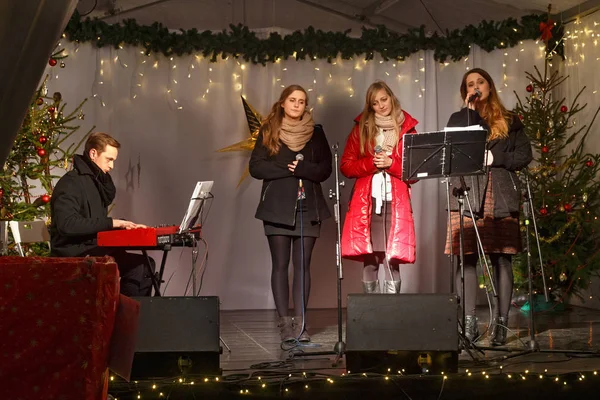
(254,122)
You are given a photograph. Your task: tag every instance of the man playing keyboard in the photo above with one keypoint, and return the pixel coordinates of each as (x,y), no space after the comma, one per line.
(79,210)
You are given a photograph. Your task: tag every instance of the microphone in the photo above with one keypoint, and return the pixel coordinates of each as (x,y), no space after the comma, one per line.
(378,149)
(300,157)
(474,96)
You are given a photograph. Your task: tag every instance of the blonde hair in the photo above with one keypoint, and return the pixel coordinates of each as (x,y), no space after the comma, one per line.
(491,109)
(272,124)
(367,128)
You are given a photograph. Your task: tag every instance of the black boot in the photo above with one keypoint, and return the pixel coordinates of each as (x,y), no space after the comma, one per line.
(499,331)
(471,328)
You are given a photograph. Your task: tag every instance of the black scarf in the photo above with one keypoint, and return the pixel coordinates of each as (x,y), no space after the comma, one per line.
(103,181)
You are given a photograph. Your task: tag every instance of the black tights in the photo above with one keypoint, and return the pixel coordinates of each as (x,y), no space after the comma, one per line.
(280,255)
(503,279)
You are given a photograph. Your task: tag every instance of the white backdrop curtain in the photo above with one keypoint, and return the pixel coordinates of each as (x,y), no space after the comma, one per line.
(171,115)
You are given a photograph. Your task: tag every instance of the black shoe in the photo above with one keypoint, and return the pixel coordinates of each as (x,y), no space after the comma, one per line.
(499,331)
(471,328)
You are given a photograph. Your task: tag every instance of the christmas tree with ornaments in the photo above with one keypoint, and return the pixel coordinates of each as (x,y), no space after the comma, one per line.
(565,192)
(41,153)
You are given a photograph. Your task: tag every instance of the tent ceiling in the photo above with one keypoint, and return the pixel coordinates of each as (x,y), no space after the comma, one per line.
(398,15)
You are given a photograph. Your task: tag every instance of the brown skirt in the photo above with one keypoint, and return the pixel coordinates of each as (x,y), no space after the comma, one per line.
(498,235)
(378,239)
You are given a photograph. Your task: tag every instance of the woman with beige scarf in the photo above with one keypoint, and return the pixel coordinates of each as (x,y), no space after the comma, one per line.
(379,227)
(292,157)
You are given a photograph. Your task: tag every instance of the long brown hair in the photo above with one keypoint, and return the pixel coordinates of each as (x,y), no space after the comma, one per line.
(491,109)
(367,128)
(272,124)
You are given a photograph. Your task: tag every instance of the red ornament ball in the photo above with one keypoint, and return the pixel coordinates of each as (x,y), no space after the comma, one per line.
(51,109)
(529,88)
(45,198)
(521,117)
(568,207)
(41,152)
(545,149)
(543,211)
(563,109)
(39,101)
(52,62)
(43,139)
(1,192)
(589,163)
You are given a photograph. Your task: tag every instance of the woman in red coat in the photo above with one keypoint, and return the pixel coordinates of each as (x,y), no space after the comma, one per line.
(379,226)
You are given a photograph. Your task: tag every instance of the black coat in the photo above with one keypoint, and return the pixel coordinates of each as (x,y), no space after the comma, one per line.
(279,194)
(510,155)
(77,212)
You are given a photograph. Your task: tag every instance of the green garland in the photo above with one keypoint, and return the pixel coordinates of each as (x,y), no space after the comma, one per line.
(239,41)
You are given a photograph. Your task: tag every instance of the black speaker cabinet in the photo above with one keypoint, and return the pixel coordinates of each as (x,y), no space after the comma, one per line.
(412,333)
(177,336)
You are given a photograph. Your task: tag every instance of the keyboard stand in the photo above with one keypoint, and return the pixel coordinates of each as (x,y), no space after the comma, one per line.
(156,277)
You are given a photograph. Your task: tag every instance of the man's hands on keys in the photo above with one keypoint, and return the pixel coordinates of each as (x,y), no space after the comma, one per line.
(123,224)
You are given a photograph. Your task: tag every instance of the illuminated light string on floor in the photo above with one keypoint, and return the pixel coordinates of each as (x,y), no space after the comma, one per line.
(288,383)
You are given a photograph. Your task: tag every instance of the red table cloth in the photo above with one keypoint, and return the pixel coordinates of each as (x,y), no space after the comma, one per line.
(56,321)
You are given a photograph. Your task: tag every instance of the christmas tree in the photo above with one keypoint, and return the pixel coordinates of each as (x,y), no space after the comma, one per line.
(565,191)
(39,157)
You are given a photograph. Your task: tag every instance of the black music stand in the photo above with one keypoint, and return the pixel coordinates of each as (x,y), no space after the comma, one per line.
(445,154)
(442,154)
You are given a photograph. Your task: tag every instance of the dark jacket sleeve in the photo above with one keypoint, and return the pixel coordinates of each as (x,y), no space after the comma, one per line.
(67,201)
(262,166)
(519,154)
(321,169)
(466,117)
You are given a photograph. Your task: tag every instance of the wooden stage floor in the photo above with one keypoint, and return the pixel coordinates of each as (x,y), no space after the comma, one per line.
(253,338)
(566,367)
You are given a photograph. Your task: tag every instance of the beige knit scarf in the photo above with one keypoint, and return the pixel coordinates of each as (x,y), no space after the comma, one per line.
(296,133)
(388,135)
(387,122)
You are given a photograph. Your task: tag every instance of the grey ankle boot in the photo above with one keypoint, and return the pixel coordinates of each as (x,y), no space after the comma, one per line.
(286,329)
(371,286)
(471,328)
(303,336)
(391,286)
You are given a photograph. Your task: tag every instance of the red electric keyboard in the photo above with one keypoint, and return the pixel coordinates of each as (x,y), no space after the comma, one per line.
(160,238)
(142,237)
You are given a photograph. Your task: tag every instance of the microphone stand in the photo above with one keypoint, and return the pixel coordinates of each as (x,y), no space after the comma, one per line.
(340,347)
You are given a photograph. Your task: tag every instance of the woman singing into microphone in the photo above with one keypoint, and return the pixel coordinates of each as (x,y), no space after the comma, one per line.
(496,202)
(292,157)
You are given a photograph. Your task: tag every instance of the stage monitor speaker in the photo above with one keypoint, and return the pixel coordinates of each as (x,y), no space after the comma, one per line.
(177,336)
(411,333)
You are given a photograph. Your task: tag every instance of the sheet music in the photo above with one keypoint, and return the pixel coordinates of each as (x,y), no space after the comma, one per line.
(201,192)
(463,128)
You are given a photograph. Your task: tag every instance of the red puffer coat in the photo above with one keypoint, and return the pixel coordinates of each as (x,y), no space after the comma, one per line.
(356,234)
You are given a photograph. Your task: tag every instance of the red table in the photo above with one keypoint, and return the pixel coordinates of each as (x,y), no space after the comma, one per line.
(57,317)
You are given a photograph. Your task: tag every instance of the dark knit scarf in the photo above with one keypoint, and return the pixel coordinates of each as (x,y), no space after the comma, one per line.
(103,181)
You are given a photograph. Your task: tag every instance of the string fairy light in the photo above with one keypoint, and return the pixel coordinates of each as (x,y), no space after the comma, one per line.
(172,83)
(98,79)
